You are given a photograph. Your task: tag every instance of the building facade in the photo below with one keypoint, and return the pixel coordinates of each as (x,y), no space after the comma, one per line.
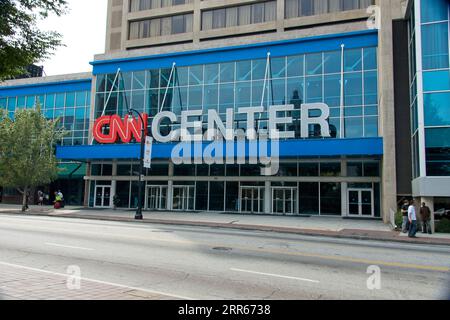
(430,101)
(195,57)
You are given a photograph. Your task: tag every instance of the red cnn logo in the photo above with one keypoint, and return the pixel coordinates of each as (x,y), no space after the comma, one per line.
(124,129)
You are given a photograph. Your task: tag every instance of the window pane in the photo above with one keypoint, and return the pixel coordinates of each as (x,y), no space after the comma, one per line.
(353,60)
(435,46)
(437,109)
(309,198)
(330,199)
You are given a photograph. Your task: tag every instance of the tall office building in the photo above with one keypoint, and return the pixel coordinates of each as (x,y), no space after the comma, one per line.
(331,73)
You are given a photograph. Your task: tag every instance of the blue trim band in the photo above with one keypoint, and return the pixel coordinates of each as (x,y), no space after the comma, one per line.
(43,88)
(288,149)
(351,40)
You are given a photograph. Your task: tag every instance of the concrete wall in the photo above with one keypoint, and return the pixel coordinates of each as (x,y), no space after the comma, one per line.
(119,17)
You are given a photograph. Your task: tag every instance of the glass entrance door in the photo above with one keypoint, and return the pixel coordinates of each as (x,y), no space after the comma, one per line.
(284,200)
(360,202)
(156,198)
(102,196)
(183,198)
(252,199)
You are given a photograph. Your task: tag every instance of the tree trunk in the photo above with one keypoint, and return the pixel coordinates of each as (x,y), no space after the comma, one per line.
(25,199)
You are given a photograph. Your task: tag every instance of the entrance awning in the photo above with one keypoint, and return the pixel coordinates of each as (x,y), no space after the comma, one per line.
(71,170)
(288,149)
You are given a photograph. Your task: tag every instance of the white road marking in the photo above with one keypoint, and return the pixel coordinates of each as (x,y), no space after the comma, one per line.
(275,275)
(68,247)
(95,281)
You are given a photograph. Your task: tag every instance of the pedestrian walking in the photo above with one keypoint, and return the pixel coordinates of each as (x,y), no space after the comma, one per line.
(412,220)
(40,198)
(405,223)
(61,196)
(425,217)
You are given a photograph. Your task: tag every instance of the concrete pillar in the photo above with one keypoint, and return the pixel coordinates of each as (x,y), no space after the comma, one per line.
(344,188)
(196,28)
(113,184)
(280,15)
(87,185)
(170,187)
(387,111)
(268,197)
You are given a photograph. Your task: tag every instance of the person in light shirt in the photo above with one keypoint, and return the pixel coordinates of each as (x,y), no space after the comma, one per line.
(412,217)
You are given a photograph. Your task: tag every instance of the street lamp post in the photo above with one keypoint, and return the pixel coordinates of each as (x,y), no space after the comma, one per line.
(139,215)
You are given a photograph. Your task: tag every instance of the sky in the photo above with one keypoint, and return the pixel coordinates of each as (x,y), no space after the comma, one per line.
(83,29)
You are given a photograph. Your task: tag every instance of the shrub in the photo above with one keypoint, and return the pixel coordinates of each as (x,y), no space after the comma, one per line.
(399,219)
(443,226)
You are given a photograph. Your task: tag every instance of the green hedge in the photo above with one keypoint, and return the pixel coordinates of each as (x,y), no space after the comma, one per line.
(443,226)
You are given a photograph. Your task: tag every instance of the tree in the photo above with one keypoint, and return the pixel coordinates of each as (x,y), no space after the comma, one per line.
(21,41)
(27,151)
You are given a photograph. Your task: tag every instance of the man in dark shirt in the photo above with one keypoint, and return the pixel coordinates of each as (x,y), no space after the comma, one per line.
(425,216)
(405,224)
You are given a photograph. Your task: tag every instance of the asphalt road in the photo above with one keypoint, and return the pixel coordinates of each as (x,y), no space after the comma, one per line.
(207,263)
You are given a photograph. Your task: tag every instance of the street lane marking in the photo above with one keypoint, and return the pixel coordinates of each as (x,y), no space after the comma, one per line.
(274,275)
(68,247)
(266,250)
(95,281)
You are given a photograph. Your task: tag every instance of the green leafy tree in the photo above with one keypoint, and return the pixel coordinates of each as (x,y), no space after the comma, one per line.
(22,43)
(27,151)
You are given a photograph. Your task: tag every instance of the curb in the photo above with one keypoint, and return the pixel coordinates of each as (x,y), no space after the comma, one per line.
(303,232)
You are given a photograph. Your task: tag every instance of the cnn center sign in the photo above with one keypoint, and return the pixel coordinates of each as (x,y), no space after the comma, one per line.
(224,143)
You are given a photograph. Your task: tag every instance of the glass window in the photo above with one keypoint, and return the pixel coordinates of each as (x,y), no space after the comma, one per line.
(438,151)
(370,58)
(60,100)
(434,10)
(70,99)
(332,90)
(353,60)
(195,97)
(370,87)
(211,97)
(243,70)
(178,24)
(182,76)
(332,169)
(436,80)
(211,73)
(314,89)
(201,196)
(371,169)
(354,127)
(21,102)
(227,72)
(332,62)
(308,169)
(295,66)
(370,127)
(309,198)
(437,109)
(314,64)
(259,69)
(354,169)
(330,199)
(232,196)
(196,75)
(243,94)
(278,67)
(353,89)
(435,46)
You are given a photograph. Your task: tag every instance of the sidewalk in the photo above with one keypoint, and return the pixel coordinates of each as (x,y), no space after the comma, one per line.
(335,227)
